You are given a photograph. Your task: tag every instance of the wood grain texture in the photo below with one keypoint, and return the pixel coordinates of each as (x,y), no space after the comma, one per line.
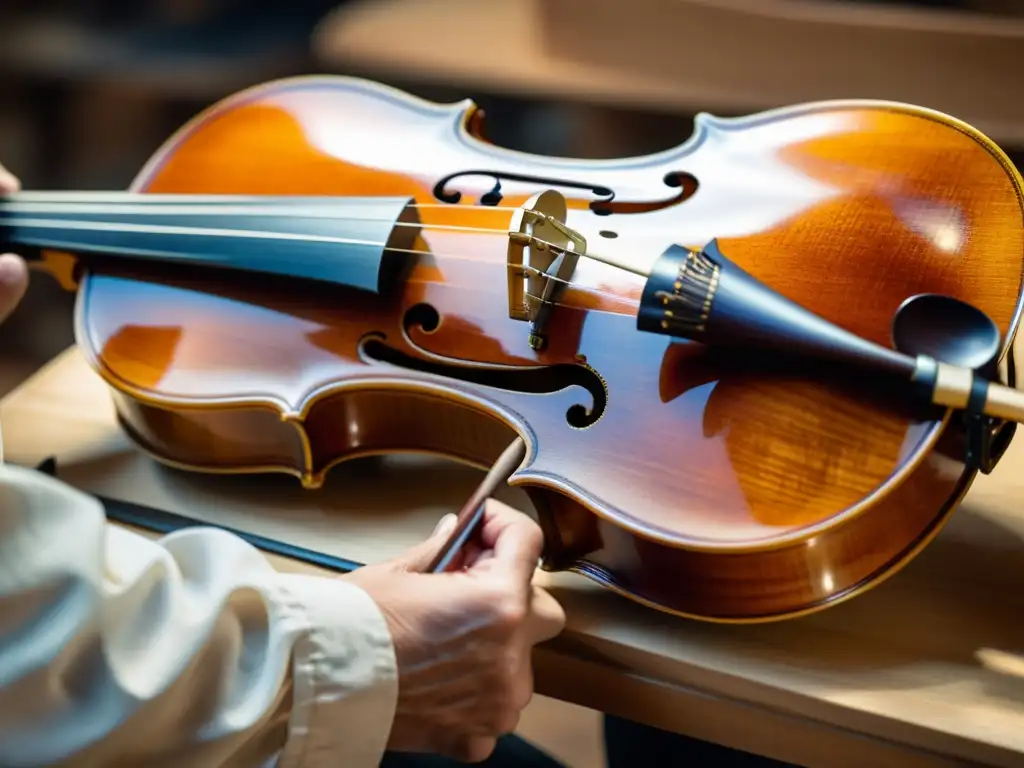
(710,487)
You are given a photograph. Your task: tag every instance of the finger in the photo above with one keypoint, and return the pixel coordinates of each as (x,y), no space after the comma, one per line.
(444,527)
(417,558)
(8,181)
(459,560)
(458,744)
(514,539)
(545,619)
(13,283)
(509,722)
(471,554)
(476,749)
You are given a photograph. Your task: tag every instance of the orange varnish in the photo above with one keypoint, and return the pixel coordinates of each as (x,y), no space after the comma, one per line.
(722,491)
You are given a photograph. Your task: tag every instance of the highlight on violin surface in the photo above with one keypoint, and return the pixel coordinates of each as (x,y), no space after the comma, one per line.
(367,274)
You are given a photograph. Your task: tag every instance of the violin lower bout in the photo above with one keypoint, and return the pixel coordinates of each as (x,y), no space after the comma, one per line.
(767,584)
(741,586)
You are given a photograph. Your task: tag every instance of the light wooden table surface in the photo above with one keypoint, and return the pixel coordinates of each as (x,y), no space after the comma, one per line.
(925,670)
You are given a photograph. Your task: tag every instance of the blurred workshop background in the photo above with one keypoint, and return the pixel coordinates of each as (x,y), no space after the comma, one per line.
(90,88)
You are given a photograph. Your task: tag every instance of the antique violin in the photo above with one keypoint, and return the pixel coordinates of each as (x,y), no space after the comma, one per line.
(367,274)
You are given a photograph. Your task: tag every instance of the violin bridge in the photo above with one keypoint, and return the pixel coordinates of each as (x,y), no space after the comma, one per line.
(542,257)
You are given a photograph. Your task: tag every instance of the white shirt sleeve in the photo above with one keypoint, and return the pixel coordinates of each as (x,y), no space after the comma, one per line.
(187,651)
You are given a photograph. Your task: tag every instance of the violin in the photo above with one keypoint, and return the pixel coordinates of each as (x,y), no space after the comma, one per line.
(322,268)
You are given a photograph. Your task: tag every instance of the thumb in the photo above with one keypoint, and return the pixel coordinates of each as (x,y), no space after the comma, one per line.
(13,283)
(417,558)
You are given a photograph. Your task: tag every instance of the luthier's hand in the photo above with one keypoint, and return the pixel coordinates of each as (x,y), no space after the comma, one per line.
(463,639)
(13,272)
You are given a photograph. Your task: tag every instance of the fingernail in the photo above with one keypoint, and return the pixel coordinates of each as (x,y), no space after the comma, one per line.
(445,525)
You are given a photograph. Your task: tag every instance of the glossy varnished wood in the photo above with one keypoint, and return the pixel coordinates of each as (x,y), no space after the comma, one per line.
(713,488)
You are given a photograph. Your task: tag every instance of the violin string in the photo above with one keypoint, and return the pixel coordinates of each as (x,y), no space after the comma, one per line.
(449,228)
(551,303)
(469,206)
(258,234)
(435,227)
(19,208)
(214,204)
(582,289)
(495,230)
(578,287)
(209,205)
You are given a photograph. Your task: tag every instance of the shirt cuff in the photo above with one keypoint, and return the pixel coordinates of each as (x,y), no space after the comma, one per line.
(345,681)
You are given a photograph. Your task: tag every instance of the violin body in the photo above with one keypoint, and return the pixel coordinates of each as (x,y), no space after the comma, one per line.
(686,481)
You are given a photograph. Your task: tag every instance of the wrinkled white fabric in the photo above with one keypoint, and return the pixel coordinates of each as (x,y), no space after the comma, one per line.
(190,650)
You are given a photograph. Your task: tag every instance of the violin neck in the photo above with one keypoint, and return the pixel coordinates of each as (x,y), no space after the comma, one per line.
(341,240)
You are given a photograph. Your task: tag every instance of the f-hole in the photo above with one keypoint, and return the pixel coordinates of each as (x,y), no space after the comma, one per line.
(686,183)
(606,205)
(535,380)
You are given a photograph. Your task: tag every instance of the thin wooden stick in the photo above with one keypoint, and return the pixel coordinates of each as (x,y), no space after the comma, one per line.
(472,512)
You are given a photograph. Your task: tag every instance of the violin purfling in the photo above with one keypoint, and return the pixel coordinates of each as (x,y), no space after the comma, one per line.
(322,268)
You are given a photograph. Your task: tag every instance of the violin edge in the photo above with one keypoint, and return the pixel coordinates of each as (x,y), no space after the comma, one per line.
(468,122)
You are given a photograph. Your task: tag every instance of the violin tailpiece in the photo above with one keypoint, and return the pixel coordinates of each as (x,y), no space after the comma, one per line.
(704,297)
